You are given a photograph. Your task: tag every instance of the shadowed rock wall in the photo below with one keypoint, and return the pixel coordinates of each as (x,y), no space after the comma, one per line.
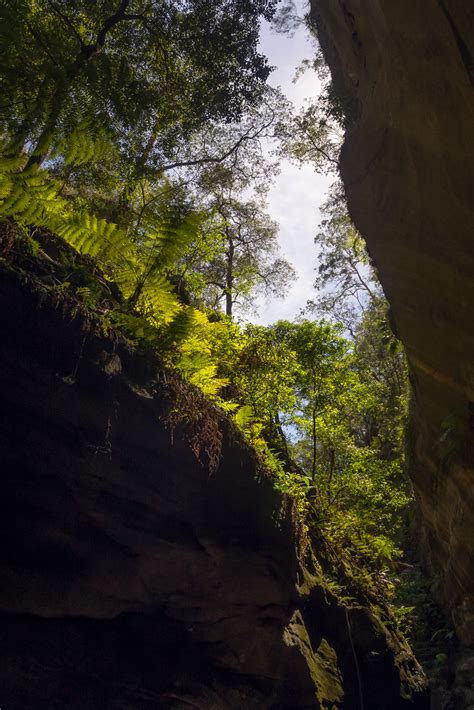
(132,576)
(404,71)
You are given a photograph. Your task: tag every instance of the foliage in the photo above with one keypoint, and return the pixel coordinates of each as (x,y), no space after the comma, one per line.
(89,129)
(350,427)
(346,281)
(236,257)
(201,419)
(137,265)
(309,401)
(314,134)
(309,137)
(421,618)
(65,63)
(330,106)
(148,165)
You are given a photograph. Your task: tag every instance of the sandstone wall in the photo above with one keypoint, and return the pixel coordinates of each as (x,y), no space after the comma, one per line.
(404,70)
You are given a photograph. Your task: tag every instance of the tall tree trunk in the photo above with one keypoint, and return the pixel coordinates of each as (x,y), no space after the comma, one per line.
(315,448)
(229,277)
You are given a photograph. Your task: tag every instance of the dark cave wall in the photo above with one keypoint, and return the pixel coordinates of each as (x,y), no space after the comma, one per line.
(404,72)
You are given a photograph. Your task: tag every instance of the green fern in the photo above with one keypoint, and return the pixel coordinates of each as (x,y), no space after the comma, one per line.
(157,299)
(171,237)
(86,143)
(138,266)
(180,327)
(29,196)
(244,417)
(91,236)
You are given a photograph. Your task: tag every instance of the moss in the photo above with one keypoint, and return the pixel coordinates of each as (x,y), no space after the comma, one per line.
(322,663)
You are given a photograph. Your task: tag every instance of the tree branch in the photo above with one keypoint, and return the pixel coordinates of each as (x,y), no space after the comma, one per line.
(67,21)
(111,21)
(317,147)
(248,136)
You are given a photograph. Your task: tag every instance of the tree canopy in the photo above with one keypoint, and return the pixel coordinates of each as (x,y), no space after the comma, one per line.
(161,68)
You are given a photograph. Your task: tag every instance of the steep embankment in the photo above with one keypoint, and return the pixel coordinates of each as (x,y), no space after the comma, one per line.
(132,576)
(404,72)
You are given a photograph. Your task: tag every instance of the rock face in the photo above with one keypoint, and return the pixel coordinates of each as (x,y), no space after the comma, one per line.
(404,72)
(131,575)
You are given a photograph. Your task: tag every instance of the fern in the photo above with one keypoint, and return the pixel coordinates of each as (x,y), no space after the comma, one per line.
(244,417)
(86,143)
(11,164)
(31,197)
(139,267)
(195,360)
(172,237)
(91,236)
(28,197)
(158,300)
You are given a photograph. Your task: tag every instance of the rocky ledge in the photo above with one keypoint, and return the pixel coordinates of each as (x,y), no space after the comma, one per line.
(135,575)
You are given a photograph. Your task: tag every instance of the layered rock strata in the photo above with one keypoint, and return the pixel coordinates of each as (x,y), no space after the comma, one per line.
(132,575)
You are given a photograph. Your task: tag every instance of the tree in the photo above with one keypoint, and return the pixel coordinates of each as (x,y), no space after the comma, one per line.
(247,261)
(310,137)
(315,404)
(322,356)
(381,364)
(132,105)
(110,96)
(163,68)
(263,378)
(314,134)
(346,280)
(236,256)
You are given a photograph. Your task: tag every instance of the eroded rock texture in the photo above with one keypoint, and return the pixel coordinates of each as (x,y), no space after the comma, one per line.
(131,576)
(404,72)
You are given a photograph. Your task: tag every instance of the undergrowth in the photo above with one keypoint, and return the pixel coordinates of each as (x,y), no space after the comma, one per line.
(200,420)
(354,557)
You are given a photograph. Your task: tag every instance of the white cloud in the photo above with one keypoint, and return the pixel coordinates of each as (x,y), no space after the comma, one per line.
(295,198)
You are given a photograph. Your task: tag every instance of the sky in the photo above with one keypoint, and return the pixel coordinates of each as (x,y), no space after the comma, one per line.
(297,194)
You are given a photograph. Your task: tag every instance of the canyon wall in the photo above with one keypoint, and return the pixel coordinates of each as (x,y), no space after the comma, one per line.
(404,72)
(133,574)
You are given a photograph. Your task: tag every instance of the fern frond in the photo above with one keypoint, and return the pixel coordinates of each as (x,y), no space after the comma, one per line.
(137,327)
(91,236)
(244,417)
(205,378)
(28,196)
(170,239)
(11,164)
(86,143)
(158,298)
(179,328)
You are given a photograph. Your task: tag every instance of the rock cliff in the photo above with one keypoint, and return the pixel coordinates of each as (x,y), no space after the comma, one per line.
(404,72)
(134,576)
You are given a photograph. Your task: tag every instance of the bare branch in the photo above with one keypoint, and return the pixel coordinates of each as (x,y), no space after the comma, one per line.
(316,147)
(247,136)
